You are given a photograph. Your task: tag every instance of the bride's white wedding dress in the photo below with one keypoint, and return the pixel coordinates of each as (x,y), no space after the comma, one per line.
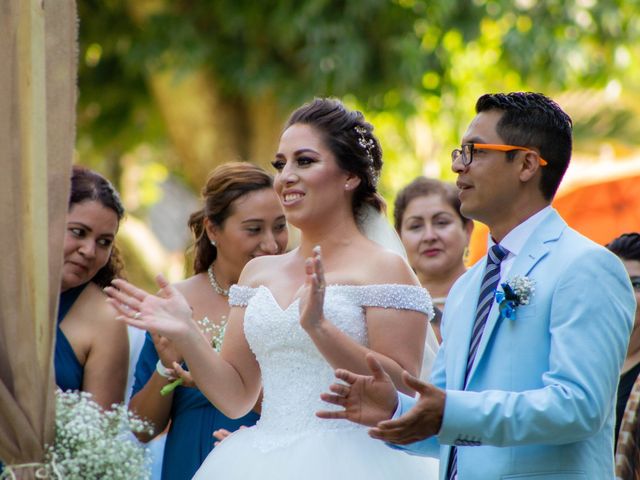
(289,441)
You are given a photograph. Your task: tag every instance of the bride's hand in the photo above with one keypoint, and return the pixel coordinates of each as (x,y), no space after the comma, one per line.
(167,314)
(312,298)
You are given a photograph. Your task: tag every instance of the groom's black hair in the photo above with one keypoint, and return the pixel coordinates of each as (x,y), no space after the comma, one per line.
(535,121)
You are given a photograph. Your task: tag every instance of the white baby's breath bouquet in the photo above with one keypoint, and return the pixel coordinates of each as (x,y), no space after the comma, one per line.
(93,443)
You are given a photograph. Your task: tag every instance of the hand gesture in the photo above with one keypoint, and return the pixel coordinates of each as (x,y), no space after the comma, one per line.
(312,298)
(187,379)
(222,434)
(422,421)
(168,315)
(366,399)
(166,350)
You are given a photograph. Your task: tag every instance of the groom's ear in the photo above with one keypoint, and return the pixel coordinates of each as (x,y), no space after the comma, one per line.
(529,166)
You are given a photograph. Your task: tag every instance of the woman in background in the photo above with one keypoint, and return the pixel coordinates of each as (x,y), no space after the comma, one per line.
(92,350)
(435,236)
(627,247)
(241,219)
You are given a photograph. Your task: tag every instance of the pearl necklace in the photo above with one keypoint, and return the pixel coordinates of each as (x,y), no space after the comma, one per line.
(212,280)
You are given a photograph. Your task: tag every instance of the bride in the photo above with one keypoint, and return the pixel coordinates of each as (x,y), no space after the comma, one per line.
(296,317)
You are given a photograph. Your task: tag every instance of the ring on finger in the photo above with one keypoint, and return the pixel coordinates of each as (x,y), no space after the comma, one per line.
(137,315)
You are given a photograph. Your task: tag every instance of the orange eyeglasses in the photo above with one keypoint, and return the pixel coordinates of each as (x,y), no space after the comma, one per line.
(465,152)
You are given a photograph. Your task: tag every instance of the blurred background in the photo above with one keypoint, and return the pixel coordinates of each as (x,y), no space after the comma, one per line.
(168,89)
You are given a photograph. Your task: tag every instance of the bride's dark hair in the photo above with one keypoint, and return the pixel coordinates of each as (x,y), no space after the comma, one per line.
(350,138)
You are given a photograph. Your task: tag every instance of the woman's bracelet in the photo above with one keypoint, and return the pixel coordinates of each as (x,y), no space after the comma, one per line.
(162,370)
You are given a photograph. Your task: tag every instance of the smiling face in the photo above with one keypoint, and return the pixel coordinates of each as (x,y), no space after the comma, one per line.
(91,230)
(491,183)
(256,227)
(309,181)
(434,236)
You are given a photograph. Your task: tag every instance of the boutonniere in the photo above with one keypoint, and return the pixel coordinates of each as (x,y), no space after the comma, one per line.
(515,292)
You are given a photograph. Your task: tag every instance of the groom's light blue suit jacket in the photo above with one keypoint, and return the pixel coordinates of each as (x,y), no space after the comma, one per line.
(540,400)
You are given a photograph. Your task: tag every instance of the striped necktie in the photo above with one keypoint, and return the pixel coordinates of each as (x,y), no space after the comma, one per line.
(485,301)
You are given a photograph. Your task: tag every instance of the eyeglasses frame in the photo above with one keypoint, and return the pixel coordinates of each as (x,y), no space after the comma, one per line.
(459,152)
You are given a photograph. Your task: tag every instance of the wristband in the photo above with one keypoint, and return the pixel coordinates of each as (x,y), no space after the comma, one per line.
(162,370)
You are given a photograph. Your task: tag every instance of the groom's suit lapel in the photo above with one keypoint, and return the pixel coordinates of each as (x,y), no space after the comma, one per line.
(534,250)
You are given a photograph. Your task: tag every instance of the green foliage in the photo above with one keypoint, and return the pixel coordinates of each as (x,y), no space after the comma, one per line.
(403,56)
(115,108)
(302,49)
(415,67)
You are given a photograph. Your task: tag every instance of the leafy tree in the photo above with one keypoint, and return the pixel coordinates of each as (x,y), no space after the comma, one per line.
(237,67)
(189,84)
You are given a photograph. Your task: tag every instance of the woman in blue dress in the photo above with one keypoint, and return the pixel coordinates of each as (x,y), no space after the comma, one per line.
(92,349)
(241,219)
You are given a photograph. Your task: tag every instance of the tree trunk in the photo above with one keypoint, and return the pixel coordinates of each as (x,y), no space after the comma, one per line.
(206,128)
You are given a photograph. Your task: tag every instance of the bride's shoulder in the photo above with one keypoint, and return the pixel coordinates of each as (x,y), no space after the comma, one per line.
(260,269)
(381,266)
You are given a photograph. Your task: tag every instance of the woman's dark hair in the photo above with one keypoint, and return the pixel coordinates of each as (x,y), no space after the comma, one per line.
(626,246)
(87,185)
(423,187)
(225,185)
(350,138)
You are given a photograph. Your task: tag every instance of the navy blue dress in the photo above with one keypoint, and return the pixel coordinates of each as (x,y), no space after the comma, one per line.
(193,421)
(69,371)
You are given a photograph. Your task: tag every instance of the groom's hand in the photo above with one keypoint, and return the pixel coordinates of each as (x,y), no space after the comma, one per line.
(422,421)
(366,399)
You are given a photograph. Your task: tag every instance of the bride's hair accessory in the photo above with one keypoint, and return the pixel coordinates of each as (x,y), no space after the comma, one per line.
(365,143)
(368,145)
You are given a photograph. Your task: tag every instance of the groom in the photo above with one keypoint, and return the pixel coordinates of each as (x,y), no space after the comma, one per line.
(524,384)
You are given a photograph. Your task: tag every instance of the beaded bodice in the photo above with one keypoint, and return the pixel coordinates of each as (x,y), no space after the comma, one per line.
(294,373)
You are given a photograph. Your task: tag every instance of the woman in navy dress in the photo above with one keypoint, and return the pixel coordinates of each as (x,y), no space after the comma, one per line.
(241,219)
(92,348)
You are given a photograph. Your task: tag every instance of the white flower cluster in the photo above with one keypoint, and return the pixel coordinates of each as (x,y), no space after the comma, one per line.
(523,287)
(215,330)
(94,443)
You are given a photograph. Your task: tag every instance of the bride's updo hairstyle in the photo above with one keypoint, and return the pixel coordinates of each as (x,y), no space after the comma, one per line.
(225,185)
(350,138)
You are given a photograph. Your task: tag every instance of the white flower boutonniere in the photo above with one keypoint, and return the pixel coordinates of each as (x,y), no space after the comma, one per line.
(515,292)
